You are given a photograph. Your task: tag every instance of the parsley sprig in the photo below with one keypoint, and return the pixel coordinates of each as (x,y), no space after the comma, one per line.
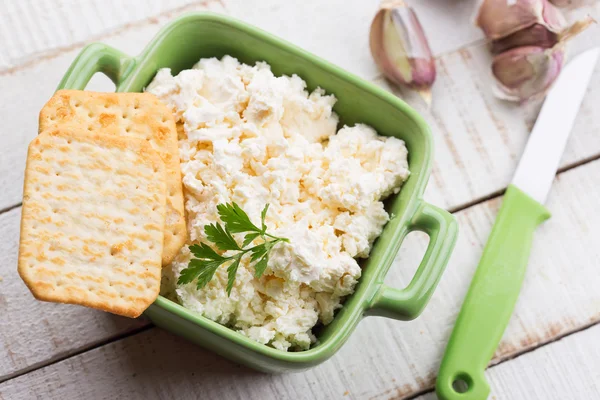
(202,268)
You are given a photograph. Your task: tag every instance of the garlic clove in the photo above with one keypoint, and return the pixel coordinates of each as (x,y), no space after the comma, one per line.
(501,18)
(535,35)
(538,35)
(526,72)
(400,48)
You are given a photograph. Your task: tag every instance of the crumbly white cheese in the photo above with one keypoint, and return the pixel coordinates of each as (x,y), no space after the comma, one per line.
(249,137)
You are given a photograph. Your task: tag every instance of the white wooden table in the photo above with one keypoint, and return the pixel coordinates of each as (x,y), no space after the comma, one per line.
(551,348)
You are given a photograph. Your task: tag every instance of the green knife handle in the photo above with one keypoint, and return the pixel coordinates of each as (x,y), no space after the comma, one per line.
(491,299)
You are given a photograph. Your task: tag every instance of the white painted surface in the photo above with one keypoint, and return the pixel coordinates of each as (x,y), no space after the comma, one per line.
(478,142)
(31,29)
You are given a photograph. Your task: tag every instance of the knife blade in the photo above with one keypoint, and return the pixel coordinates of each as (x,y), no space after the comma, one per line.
(549,135)
(495,286)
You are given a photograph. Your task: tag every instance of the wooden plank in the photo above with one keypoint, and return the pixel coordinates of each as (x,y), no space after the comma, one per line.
(32,29)
(339,30)
(448,25)
(402,357)
(322,26)
(35,332)
(567,369)
(156,365)
(316,26)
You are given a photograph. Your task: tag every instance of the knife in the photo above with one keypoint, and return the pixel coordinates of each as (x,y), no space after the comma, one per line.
(495,287)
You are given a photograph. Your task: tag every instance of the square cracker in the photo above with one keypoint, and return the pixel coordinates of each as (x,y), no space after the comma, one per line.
(92,223)
(139,115)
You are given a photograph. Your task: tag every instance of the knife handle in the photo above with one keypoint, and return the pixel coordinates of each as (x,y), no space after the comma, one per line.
(491,299)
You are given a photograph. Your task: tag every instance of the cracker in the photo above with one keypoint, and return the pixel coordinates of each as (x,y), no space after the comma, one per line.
(92,223)
(139,115)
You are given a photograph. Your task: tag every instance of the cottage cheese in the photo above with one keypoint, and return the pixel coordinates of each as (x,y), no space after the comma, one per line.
(249,137)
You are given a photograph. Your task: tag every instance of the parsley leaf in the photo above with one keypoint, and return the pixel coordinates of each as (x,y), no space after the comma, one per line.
(258,251)
(232,272)
(222,238)
(201,270)
(204,251)
(249,238)
(261,265)
(203,267)
(235,219)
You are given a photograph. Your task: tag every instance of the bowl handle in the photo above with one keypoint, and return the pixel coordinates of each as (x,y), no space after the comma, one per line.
(97,57)
(406,304)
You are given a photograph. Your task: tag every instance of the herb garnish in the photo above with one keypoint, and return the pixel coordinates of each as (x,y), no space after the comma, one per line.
(207,260)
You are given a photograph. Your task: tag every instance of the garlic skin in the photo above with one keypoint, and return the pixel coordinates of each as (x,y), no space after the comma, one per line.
(535,35)
(526,72)
(501,18)
(538,35)
(528,39)
(400,48)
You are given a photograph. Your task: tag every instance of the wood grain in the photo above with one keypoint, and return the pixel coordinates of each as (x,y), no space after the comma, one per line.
(33,29)
(34,332)
(156,365)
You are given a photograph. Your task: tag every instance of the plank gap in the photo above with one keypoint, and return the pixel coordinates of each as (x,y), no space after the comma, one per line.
(61,357)
(578,163)
(500,193)
(479,200)
(10,208)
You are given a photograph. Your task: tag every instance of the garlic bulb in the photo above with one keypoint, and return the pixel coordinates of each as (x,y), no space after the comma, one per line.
(400,48)
(528,39)
(501,18)
(526,72)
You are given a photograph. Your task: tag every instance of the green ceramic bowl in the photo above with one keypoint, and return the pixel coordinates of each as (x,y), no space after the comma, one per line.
(181,44)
